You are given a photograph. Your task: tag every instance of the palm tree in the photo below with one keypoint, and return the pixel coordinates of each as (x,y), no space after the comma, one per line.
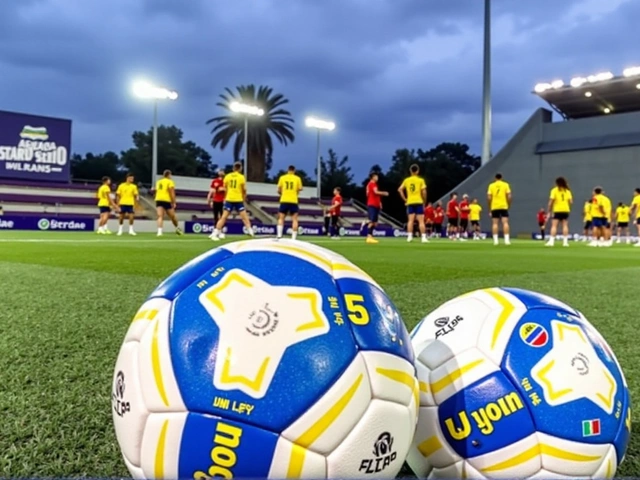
(276,122)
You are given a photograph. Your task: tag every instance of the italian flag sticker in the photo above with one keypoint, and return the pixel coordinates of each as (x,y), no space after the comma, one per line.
(590,428)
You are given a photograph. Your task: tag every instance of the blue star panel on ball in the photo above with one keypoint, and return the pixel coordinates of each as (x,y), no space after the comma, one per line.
(516,384)
(266,359)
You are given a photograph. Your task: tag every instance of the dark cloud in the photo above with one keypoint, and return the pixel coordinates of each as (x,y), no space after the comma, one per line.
(391,73)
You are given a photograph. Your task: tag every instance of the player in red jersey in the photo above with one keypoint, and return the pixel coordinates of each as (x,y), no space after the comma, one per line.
(453,215)
(438,219)
(464,216)
(542,221)
(429,217)
(374,206)
(215,198)
(334,212)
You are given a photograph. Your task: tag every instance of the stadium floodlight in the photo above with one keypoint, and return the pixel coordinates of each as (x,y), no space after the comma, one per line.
(607,110)
(638,86)
(631,72)
(543,87)
(587,94)
(147,90)
(313,122)
(248,111)
(600,77)
(578,82)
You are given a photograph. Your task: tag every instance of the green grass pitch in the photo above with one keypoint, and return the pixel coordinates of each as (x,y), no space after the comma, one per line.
(67,300)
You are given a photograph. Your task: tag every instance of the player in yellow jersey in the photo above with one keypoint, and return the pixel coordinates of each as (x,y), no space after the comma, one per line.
(588,220)
(414,194)
(127,196)
(560,201)
(499,200)
(475,211)
(600,218)
(635,211)
(289,186)
(608,207)
(623,214)
(235,187)
(105,204)
(166,201)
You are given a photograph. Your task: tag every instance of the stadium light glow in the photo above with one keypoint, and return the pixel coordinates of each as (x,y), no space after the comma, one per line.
(600,77)
(607,110)
(239,107)
(543,87)
(638,86)
(631,71)
(312,122)
(144,89)
(587,94)
(147,90)
(578,82)
(246,110)
(319,125)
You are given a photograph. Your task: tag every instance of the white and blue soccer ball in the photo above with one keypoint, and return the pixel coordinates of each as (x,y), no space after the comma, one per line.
(266,359)
(515,384)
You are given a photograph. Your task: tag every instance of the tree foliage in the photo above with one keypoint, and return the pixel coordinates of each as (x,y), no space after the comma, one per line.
(276,122)
(181,157)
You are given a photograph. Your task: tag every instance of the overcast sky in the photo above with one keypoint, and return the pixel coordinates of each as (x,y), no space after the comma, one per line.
(391,73)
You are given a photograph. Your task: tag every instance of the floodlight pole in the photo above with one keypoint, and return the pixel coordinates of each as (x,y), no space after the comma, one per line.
(319,171)
(154,148)
(246,144)
(486,87)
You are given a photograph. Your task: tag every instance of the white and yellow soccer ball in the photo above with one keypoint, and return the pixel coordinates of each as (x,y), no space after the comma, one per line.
(266,358)
(515,384)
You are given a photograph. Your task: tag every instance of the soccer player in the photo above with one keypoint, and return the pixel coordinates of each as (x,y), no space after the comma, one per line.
(334,212)
(414,194)
(609,210)
(453,213)
(474,215)
(635,207)
(438,219)
(623,214)
(499,200)
(127,196)
(235,196)
(464,216)
(560,201)
(166,201)
(586,215)
(289,186)
(327,220)
(374,205)
(429,217)
(599,217)
(215,197)
(105,204)
(542,221)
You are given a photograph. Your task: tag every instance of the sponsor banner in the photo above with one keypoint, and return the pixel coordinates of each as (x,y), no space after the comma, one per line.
(581,238)
(46,223)
(34,148)
(314,230)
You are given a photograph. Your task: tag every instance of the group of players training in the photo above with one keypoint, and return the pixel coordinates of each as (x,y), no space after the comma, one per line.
(228,195)
(600,220)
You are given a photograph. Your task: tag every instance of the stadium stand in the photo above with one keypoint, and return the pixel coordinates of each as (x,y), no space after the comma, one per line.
(589,147)
(64,200)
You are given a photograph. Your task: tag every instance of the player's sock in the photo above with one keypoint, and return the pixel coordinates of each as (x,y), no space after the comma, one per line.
(409,237)
(160,231)
(495,239)
(506,238)
(216,233)
(120,229)
(100,229)
(279,230)
(424,236)
(294,234)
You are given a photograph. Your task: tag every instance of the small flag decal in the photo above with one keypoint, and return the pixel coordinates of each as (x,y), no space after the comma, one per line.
(590,428)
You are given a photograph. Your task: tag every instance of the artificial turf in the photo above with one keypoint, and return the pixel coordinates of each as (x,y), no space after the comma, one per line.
(67,300)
